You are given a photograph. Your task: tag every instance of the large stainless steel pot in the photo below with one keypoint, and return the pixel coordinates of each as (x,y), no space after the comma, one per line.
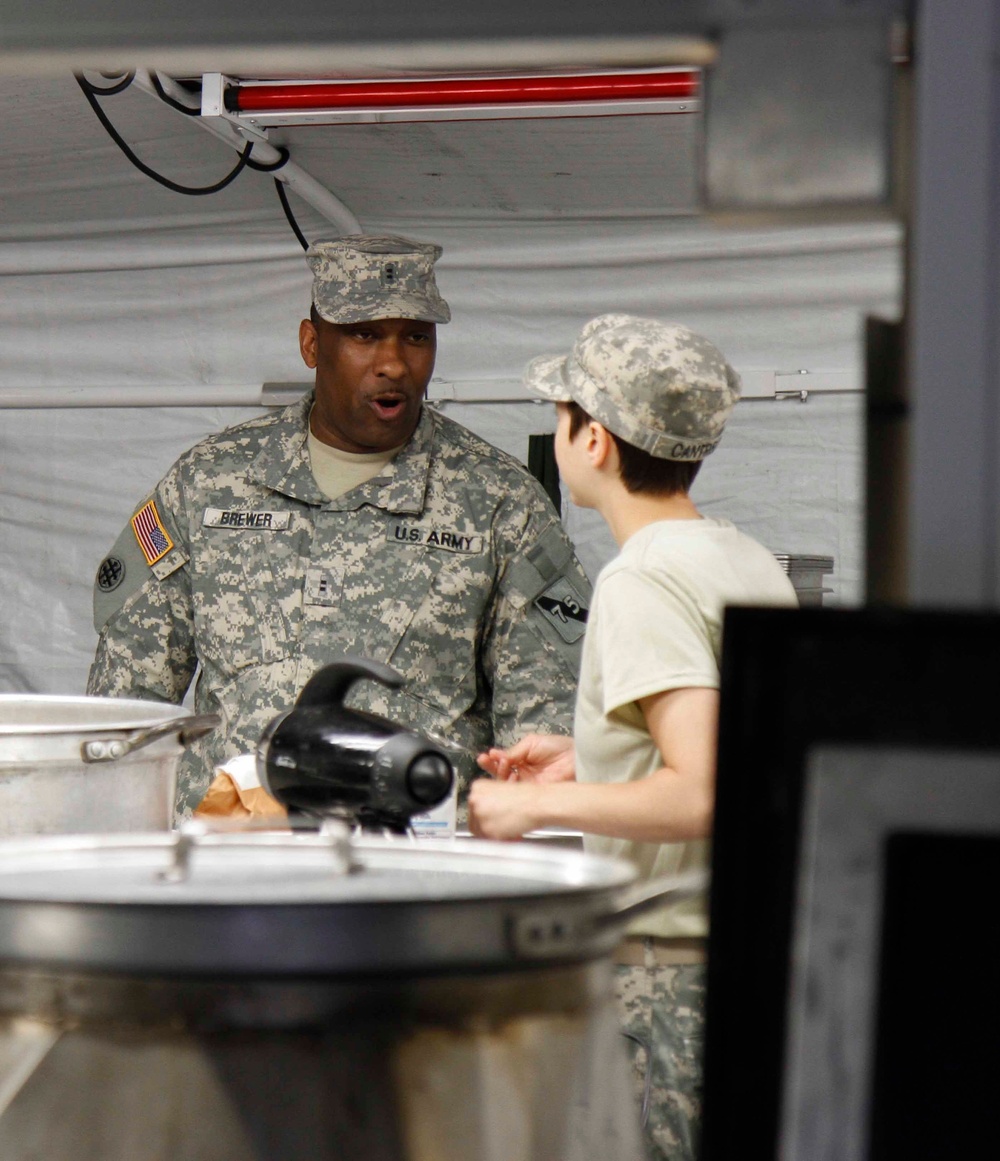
(229,997)
(90,764)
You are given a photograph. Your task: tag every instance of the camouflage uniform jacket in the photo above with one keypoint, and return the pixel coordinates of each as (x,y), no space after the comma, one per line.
(450,565)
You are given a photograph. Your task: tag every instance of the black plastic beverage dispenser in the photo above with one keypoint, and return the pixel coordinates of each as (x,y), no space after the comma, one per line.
(325,760)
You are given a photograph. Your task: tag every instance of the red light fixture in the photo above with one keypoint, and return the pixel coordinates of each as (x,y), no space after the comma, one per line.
(675,85)
(594,94)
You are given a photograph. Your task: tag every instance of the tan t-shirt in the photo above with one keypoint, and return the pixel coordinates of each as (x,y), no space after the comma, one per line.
(337,472)
(655,624)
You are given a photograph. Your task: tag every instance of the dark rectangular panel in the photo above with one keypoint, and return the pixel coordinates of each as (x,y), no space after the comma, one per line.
(953,544)
(793,680)
(937,1069)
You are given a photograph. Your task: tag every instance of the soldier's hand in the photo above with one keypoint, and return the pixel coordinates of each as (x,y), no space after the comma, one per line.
(535,758)
(502,811)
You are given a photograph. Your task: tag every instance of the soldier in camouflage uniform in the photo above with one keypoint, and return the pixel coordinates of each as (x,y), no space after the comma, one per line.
(641,403)
(446,561)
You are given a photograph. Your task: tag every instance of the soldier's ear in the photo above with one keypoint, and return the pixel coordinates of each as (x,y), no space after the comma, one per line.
(599,443)
(308,343)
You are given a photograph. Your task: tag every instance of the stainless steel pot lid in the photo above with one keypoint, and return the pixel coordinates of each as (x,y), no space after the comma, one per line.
(270,905)
(39,728)
(39,713)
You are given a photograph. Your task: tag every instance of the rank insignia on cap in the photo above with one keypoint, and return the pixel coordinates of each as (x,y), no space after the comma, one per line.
(154,540)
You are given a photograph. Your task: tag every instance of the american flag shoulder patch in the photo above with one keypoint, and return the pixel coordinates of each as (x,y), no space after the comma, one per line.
(154,539)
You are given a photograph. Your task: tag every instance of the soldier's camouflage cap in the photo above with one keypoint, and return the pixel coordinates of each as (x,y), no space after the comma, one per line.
(658,386)
(360,277)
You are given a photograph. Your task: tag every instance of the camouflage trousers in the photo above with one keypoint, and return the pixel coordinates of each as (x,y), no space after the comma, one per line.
(662,1013)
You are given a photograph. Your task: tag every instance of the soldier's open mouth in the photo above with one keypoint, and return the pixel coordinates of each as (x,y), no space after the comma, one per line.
(388,406)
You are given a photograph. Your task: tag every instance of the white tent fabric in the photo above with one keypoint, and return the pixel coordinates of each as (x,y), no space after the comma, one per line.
(209,304)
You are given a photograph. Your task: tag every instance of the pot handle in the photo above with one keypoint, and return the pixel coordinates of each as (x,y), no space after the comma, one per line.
(556,930)
(198,832)
(654,893)
(187,729)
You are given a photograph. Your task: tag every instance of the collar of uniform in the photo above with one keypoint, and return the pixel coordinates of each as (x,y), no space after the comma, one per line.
(402,486)
(283,466)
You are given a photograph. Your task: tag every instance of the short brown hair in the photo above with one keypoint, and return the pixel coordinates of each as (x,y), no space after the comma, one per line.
(639,471)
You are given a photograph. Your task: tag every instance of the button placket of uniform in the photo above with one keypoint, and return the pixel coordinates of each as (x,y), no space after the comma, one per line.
(328,630)
(323,566)
(265,593)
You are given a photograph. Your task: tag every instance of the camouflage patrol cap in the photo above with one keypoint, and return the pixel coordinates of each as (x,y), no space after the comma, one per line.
(658,386)
(359,277)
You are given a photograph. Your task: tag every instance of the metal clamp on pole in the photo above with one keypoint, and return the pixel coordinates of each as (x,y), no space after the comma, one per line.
(235,132)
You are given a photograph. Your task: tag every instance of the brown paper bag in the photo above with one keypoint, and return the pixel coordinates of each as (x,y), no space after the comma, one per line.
(225,799)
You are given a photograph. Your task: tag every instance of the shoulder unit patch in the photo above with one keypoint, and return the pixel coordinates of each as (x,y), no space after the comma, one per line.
(564,610)
(110,574)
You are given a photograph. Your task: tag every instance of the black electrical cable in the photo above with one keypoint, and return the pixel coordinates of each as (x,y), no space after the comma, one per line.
(260,166)
(283,198)
(120,87)
(164,96)
(89,92)
(270,166)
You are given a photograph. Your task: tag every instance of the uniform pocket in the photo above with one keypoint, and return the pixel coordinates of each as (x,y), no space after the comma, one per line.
(239,614)
(439,647)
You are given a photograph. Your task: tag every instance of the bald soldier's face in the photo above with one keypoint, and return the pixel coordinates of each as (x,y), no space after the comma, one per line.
(371,378)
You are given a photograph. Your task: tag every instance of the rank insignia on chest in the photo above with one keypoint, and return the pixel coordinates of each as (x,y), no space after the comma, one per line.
(446,538)
(153,538)
(322,587)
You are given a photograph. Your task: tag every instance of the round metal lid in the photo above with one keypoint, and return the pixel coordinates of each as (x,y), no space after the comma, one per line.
(283,905)
(39,728)
(41,713)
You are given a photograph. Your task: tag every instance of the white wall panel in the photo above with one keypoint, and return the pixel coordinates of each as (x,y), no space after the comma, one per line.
(220,305)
